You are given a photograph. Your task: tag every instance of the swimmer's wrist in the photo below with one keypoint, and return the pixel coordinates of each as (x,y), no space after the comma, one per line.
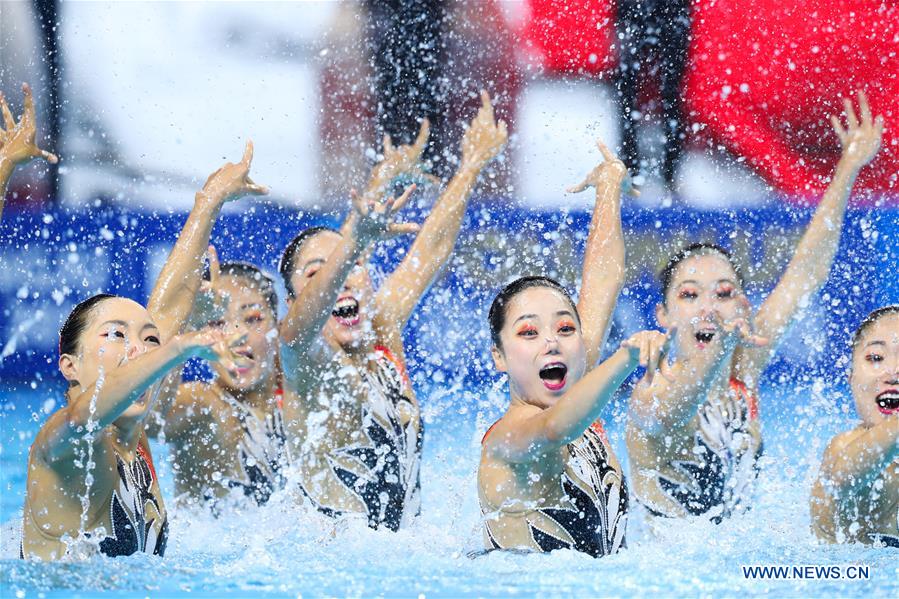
(205,199)
(348,228)
(6,164)
(630,354)
(472,165)
(848,166)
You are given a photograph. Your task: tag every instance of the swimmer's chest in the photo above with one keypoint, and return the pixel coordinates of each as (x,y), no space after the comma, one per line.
(119,472)
(212,452)
(349,398)
(538,484)
(724,423)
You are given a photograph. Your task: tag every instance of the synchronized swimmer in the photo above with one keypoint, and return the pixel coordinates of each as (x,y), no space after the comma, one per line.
(321,401)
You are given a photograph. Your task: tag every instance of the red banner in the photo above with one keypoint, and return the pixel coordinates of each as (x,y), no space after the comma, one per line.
(764,76)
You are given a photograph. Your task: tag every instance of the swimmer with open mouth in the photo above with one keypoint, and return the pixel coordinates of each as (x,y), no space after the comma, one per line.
(348,401)
(694,440)
(226,434)
(548,478)
(855,497)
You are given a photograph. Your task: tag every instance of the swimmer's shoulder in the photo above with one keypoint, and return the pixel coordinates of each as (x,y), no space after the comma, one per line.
(194,402)
(52,445)
(302,372)
(501,430)
(842,442)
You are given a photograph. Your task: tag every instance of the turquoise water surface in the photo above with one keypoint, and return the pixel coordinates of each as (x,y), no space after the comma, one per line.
(284,549)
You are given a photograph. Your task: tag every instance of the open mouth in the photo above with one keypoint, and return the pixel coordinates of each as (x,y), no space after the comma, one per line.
(346,311)
(705,337)
(888,401)
(244,359)
(553,375)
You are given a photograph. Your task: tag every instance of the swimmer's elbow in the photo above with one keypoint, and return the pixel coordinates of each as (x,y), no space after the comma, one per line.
(287,333)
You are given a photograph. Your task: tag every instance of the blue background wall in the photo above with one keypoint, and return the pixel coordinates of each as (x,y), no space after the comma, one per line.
(49,261)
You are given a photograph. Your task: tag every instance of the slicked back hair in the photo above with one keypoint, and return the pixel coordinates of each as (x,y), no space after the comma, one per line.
(254,278)
(870,320)
(289,257)
(497,315)
(77,321)
(694,249)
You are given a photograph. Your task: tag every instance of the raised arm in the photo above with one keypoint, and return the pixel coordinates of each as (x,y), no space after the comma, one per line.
(528,437)
(310,310)
(400,293)
(102,404)
(177,404)
(172,299)
(603,272)
(810,266)
(17,145)
(398,161)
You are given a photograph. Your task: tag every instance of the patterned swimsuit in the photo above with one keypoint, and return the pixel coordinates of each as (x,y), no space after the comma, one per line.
(139,521)
(135,526)
(261,451)
(591,518)
(719,476)
(381,471)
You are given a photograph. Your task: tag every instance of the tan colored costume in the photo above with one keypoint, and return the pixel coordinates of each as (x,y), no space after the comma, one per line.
(588,513)
(254,462)
(708,468)
(132,519)
(364,459)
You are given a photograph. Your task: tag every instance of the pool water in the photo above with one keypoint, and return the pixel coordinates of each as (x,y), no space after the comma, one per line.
(284,549)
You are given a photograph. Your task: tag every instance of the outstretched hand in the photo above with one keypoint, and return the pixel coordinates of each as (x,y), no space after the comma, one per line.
(738,331)
(651,349)
(861,138)
(232,181)
(741,331)
(374,218)
(485,136)
(215,345)
(17,143)
(611,169)
(404,160)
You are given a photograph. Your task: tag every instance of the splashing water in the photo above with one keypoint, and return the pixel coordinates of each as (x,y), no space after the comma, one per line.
(87,543)
(11,345)
(285,548)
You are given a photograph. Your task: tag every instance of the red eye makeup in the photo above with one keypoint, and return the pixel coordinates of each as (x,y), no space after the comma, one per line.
(526,330)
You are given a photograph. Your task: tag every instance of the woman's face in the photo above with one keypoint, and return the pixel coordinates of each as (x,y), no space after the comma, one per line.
(348,320)
(542,346)
(118,330)
(704,292)
(875,371)
(247,313)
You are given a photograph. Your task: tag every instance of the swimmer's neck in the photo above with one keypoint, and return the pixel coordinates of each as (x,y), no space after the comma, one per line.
(360,351)
(699,362)
(518,400)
